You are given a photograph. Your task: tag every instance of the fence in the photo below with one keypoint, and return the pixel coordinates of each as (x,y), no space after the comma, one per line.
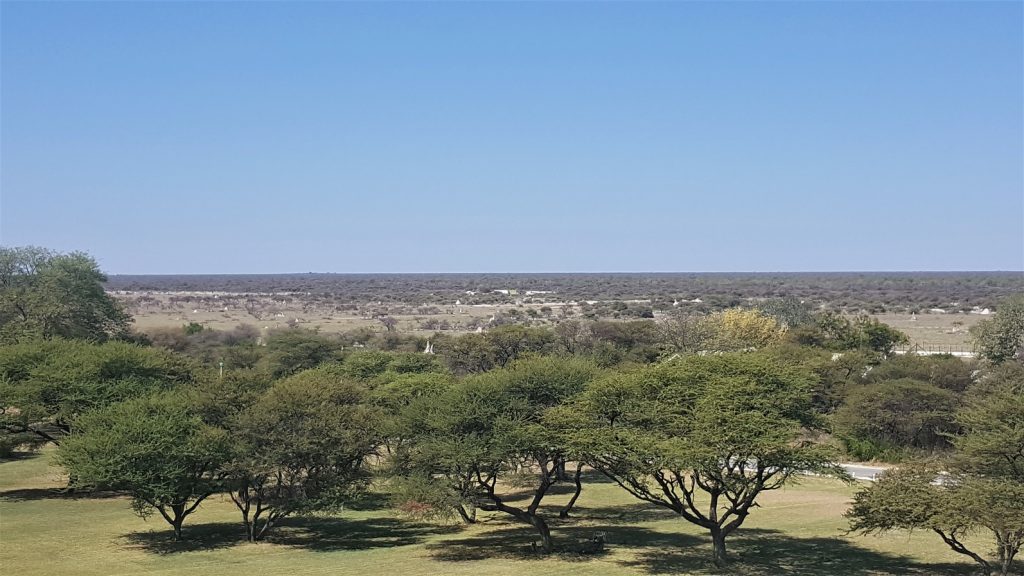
(926,349)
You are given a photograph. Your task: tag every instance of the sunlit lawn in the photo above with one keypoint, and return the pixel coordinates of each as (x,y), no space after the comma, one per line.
(796,531)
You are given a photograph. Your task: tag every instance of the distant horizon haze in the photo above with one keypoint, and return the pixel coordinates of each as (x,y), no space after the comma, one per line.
(251,138)
(590,273)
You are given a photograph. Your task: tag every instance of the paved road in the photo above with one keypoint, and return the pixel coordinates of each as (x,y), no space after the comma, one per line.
(861,472)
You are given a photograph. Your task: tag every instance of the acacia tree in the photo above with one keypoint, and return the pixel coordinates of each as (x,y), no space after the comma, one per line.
(156,448)
(702,436)
(300,447)
(45,385)
(896,414)
(393,393)
(489,430)
(910,498)
(982,482)
(740,329)
(293,350)
(834,331)
(44,294)
(1002,338)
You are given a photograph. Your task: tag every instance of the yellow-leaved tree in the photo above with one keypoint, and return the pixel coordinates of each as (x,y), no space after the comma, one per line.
(741,329)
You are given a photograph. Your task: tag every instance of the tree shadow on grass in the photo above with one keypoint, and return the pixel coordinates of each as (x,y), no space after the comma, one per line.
(20,455)
(369,502)
(770,553)
(194,537)
(514,541)
(26,494)
(329,534)
(318,534)
(634,513)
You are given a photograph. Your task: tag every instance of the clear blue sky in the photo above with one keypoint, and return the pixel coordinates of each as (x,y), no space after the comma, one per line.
(340,137)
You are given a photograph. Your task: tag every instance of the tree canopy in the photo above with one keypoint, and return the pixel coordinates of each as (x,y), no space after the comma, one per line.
(1002,338)
(487,430)
(45,294)
(300,447)
(728,426)
(979,487)
(45,385)
(154,447)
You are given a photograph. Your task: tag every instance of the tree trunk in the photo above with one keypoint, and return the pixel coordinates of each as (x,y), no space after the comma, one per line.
(1006,554)
(267,524)
(564,513)
(530,518)
(468,516)
(561,474)
(178,519)
(250,528)
(243,501)
(545,533)
(718,543)
(957,546)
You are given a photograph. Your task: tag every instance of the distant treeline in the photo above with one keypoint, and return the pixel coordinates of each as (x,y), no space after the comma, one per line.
(850,291)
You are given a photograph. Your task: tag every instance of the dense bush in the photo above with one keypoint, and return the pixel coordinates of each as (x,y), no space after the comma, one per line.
(883,419)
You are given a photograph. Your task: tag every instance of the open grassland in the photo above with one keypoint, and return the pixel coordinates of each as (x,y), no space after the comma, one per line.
(930,331)
(948,332)
(282,315)
(799,530)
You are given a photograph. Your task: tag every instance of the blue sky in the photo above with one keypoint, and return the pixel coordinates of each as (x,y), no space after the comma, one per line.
(387,137)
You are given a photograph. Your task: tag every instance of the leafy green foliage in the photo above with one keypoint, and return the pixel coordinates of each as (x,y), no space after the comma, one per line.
(992,422)
(369,364)
(500,346)
(154,447)
(834,331)
(470,441)
(943,371)
(726,425)
(301,447)
(220,399)
(978,488)
(48,383)
(1002,337)
(236,348)
(895,415)
(953,506)
(46,295)
(294,350)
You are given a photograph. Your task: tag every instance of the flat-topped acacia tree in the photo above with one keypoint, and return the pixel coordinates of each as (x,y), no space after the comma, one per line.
(156,448)
(702,436)
(982,487)
(487,430)
(46,384)
(301,447)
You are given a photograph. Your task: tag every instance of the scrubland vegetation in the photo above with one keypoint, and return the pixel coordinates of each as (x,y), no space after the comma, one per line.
(699,441)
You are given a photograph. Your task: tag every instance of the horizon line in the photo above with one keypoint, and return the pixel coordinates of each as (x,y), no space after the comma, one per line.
(611,272)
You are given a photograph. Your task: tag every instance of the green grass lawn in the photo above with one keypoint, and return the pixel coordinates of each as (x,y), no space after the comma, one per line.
(798,530)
